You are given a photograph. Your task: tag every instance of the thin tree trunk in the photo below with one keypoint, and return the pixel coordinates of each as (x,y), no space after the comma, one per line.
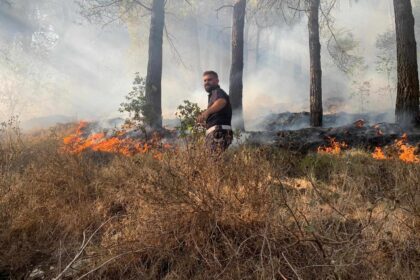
(154,66)
(315,65)
(407,105)
(236,70)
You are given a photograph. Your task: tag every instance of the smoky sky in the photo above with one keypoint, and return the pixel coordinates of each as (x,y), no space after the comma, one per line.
(55,62)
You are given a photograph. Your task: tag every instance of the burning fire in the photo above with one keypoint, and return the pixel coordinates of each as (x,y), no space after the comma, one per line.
(406,152)
(379,154)
(334,148)
(119,143)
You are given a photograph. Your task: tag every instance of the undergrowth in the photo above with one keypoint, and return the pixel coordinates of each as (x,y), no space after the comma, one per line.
(254,213)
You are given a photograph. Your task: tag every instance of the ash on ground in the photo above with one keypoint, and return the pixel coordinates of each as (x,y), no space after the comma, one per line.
(299,120)
(291,131)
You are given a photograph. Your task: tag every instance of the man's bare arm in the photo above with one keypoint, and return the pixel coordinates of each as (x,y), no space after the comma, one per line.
(214,108)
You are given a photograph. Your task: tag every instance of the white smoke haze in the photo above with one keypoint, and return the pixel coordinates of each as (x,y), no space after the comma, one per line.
(83,70)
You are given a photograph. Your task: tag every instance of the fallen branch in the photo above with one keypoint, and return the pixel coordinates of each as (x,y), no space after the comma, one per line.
(82,249)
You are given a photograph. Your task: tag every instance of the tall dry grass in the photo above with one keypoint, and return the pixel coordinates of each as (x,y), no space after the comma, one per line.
(255,213)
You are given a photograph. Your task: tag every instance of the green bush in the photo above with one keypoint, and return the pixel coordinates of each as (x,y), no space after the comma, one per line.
(136,105)
(187,114)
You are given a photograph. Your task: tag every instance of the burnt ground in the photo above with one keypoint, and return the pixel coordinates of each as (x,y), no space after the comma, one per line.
(361,132)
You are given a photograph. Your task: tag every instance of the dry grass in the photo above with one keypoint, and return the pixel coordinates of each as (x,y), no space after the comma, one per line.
(258,213)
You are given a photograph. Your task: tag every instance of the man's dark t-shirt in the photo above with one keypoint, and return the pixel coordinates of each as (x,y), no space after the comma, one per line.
(224,116)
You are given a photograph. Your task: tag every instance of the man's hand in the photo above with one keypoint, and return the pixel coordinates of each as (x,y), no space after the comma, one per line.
(201,119)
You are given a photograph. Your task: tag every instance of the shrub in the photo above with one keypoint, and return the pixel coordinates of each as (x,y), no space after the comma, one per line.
(187,114)
(136,105)
(187,216)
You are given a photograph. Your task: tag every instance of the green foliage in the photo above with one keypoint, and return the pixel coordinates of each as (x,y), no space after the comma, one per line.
(136,105)
(187,114)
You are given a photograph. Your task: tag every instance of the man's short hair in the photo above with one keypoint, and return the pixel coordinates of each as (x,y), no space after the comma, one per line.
(210,72)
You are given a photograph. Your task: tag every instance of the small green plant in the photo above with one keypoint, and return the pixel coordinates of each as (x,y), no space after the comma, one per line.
(136,105)
(187,114)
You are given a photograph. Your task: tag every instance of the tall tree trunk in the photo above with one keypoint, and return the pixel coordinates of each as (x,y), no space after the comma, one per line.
(407,105)
(237,67)
(154,66)
(315,64)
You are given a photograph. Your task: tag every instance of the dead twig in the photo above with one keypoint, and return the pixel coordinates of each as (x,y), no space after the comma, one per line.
(81,249)
(291,267)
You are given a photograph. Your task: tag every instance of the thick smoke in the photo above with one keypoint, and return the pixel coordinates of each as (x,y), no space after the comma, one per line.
(57,66)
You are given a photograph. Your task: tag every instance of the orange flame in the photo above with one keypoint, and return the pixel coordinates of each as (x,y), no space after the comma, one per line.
(378,154)
(334,148)
(77,143)
(406,151)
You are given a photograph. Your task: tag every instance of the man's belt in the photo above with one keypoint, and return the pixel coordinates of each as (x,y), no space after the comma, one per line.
(214,127)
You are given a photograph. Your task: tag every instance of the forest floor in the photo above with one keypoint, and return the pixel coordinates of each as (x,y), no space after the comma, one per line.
(256,213)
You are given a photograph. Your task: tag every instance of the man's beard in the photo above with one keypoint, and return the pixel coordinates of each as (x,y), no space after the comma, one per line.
(210,88)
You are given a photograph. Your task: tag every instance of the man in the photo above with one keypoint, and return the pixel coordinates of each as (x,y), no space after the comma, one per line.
(218,115)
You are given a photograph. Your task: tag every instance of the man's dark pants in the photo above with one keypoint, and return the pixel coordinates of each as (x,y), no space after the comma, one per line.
(219,140)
